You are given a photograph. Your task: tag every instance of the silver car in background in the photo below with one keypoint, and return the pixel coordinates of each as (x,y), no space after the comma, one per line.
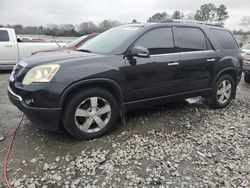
(246,67)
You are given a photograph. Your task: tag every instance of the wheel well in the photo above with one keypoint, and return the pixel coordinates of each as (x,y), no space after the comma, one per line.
(230,72)
(103,85)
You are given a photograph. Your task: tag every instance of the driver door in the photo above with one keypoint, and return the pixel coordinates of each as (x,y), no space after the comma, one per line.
(157,75)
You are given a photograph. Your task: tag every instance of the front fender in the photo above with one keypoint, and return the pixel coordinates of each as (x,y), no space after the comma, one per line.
(92,82)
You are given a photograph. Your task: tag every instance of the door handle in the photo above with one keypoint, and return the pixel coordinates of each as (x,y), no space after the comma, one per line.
(210,60)
(173,64)
(9,46)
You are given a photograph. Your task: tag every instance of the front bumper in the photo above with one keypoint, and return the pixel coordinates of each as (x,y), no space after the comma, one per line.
(43,118)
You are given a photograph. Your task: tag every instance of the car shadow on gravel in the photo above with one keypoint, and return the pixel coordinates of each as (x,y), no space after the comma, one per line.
(173,106)
(157,117)
(29,130)
(131,124)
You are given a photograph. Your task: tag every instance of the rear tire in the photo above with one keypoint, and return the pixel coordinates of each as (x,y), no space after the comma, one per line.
(90,113)
(247,78)
(223,92)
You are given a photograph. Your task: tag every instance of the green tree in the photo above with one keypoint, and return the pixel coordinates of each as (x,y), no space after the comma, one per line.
(222,14)
(159,17)
(178,15)
(134,21)
(87,28)
(105,25)
(68,30)
(209,12)
(53,29)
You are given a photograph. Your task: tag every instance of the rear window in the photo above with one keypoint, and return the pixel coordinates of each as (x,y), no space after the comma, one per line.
(225,39)
(4,36)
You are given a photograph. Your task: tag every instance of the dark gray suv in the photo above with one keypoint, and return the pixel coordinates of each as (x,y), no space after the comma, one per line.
(127,67)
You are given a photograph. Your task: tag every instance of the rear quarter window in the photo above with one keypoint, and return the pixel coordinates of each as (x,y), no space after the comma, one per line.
(225,39)
(4,36)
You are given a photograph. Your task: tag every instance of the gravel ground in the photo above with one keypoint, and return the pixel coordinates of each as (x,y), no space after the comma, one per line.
(184,144)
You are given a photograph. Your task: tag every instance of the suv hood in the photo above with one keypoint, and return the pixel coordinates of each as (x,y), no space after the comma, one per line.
(59,57)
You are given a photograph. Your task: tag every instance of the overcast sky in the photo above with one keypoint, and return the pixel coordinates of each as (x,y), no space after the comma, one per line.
(43,12)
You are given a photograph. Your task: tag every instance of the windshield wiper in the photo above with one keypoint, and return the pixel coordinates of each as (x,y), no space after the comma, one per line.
(84,50)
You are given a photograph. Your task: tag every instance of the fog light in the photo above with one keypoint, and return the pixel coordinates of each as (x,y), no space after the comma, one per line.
(29,102)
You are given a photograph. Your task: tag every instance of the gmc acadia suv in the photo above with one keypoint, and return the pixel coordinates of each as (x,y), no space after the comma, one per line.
(124,68)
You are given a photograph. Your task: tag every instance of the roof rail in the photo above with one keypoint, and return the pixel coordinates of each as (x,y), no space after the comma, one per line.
(192,22)
(198,22)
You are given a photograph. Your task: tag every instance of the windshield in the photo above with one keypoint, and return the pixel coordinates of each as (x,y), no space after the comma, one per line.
(247,47)
(109,40)
(76,41)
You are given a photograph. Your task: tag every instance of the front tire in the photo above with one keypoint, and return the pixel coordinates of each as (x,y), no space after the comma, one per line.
(247,78)
(90,113)
(223,92)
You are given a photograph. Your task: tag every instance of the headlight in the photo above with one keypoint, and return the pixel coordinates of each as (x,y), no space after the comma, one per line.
(42,73)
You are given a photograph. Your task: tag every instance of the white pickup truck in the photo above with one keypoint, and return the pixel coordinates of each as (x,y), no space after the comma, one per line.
(12,50)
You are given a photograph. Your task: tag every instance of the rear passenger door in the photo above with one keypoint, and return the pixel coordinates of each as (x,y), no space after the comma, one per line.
(197,58)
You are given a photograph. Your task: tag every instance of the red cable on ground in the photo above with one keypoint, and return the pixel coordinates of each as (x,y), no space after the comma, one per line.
(8,154)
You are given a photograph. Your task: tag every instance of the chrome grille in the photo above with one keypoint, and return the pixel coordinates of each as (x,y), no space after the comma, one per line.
(17,69)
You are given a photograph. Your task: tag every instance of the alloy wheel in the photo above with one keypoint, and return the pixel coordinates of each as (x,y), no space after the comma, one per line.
(224,91)
(93,114)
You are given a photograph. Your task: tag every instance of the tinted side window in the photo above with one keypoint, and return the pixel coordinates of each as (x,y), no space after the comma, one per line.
(191,39)
(158,41)
(225,39)
(4,36)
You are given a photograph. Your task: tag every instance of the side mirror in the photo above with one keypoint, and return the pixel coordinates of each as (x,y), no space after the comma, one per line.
(139,51)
